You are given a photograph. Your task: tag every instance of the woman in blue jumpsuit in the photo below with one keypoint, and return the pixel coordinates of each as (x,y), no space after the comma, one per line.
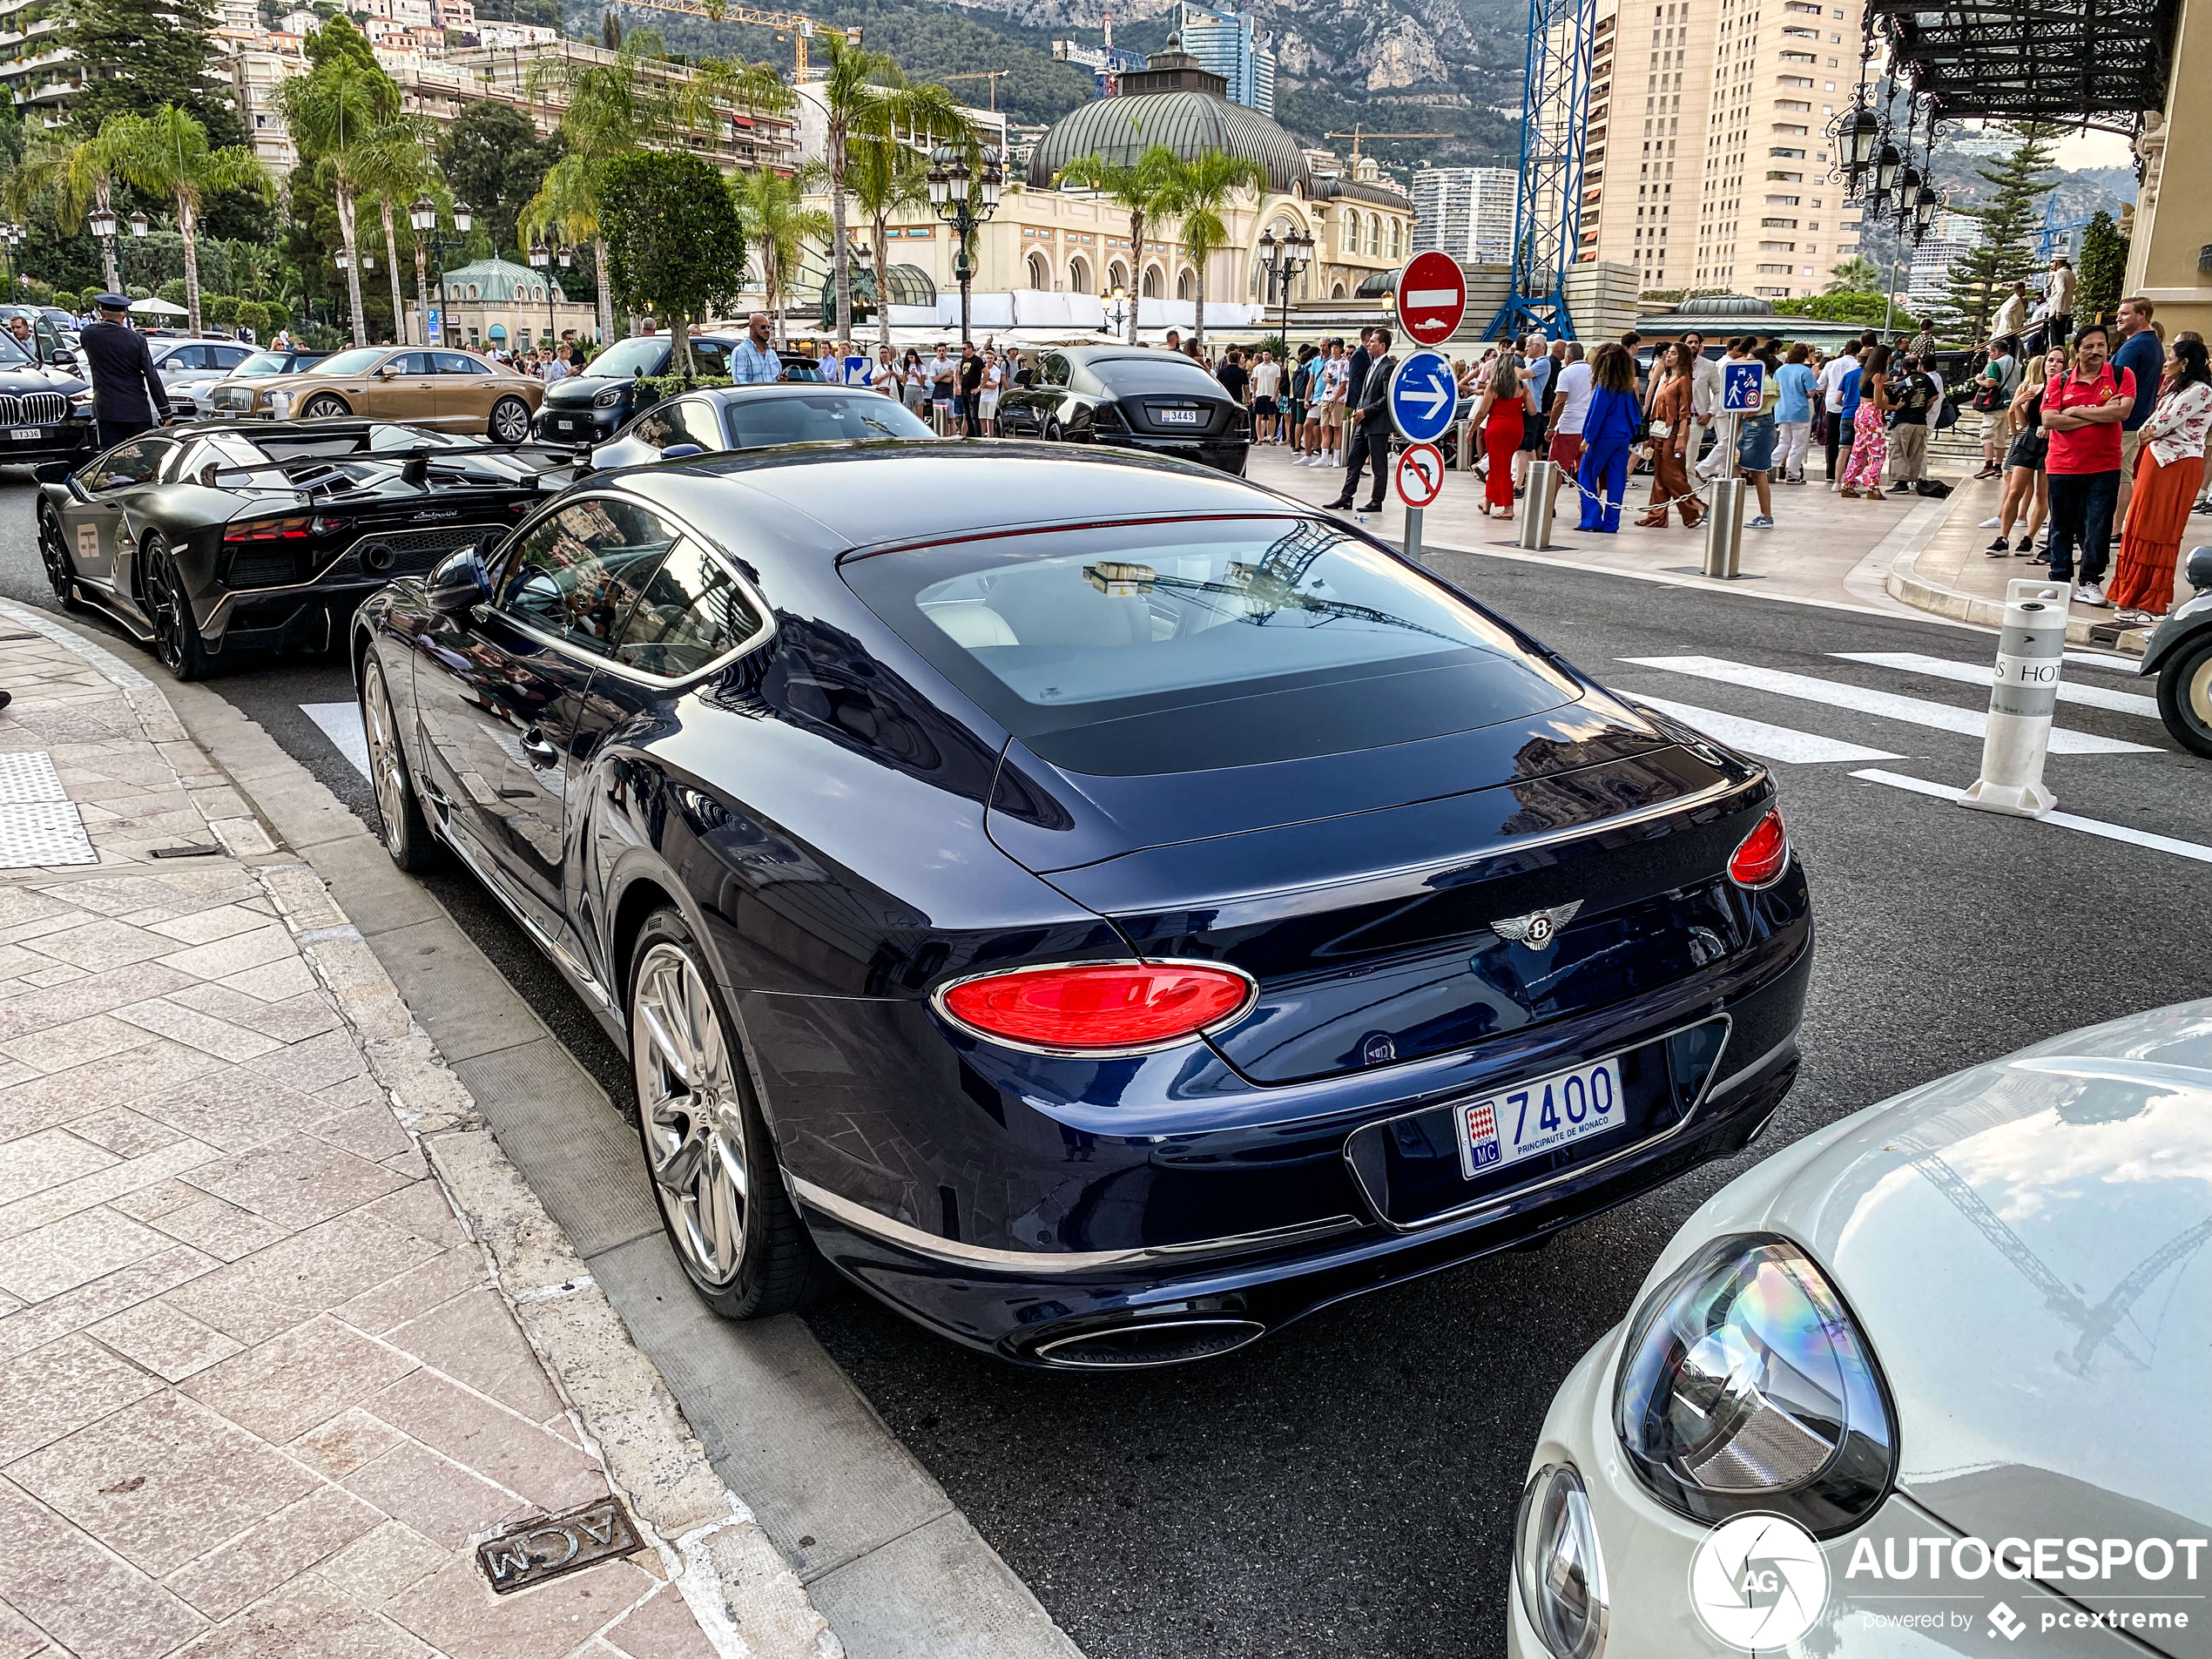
(1608,432)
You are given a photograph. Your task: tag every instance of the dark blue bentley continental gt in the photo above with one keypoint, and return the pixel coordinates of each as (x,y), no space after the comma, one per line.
(1103,908)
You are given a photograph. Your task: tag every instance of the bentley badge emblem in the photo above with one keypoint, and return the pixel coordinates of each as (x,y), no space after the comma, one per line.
(1539,927)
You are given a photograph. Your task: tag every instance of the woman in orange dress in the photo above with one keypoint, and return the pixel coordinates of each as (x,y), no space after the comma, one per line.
(1499,414)
(2168,470)
(1670,428)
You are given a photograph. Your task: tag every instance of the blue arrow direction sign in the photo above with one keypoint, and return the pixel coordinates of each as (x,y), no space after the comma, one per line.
(1424,396)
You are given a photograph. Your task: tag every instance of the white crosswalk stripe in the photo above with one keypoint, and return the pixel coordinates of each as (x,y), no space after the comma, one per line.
(341,724)
(1888,706)
(2095,826)
(1756,738)
(2093,696)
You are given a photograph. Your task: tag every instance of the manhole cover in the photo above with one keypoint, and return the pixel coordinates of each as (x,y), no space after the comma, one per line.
(532,1551)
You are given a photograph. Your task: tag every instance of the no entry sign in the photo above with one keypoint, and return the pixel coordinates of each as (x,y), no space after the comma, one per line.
(1432,297)
(1419,474)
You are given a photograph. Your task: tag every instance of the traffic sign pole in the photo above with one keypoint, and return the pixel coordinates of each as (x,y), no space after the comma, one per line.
(1412,535)
(1419,476)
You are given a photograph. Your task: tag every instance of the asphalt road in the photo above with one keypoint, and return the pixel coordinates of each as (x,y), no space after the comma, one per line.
(1347,1486)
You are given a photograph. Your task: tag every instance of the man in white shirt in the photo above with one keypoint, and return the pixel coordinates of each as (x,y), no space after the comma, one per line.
(1266,381)
(1832,400)
(1570,405)
(2012,316)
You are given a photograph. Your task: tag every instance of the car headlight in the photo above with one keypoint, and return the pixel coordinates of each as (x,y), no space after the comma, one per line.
(1558,1565)
(609,398)
(80,401)
(1746,1386)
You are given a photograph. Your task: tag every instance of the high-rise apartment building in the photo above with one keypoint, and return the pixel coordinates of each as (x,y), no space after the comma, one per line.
(1708,155)
(1465,212)
(1225,43)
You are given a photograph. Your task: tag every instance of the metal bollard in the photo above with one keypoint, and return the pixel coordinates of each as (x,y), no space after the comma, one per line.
(941,418)
(1724,528)
(2025,695)
(1537,498)
(1470,445)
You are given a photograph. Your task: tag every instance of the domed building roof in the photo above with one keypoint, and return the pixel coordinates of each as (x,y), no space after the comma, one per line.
(1175,102)
(1724,304)
(498,282)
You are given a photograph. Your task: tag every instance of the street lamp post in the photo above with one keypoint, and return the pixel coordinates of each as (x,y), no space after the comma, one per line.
(1283,261)
(541,258)
(423,218)
(963,198)
(1117,312)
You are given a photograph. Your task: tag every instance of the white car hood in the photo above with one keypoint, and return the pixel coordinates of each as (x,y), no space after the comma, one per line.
(2027,1248)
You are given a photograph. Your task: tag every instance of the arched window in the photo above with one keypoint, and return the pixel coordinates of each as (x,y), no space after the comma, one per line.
(472,291)
(1350,240)
(1116,275)
(1397,239)
(1079,275)
(1374,233)
(1185,283)
(1151,282)
(1040,271)
(1336,292)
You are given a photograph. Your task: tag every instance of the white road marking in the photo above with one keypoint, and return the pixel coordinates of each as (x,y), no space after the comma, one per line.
(2063,820)
(1888,706)
(2116,663)
(341,724)
(1757,738)
(2093,696)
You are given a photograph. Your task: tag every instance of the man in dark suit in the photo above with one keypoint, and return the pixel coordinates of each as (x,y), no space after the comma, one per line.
(1367,418)
(127,394)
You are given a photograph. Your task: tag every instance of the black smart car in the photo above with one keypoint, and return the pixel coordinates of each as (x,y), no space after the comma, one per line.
(592,407)
(1134,399)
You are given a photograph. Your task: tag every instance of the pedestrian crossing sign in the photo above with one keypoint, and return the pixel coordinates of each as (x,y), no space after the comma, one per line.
(1743,388)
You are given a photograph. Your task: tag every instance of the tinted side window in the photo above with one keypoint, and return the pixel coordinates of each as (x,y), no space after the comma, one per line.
(128,463)
(229,356)
(1055,370)
(692,611)
(695,419)
(657,427)
(710,357)
(575,575)
(414,362)
(452,362)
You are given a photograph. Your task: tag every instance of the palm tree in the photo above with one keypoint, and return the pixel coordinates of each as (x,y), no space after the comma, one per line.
(884,179)
(1857,274)
(1199,189)
(333,115)
(1145,188)
(396,165)
(566,208)
(777,227)
(82,175)
(168,152)
(865,98)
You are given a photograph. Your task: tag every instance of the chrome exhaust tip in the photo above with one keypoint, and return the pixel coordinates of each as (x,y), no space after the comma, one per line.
(1159,1342)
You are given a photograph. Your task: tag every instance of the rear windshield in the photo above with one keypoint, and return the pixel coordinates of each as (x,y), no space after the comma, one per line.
(639,356)
(756,422)
(1155,372)
(1179,646)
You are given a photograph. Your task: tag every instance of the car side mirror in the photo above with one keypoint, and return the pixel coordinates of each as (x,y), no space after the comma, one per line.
(52,472)
(388,371)
(458,582)
(64,360)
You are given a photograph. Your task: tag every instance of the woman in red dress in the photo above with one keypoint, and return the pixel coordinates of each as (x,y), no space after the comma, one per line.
(1498,415)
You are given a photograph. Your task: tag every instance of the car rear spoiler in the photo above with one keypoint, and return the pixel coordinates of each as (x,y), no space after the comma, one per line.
(545,459)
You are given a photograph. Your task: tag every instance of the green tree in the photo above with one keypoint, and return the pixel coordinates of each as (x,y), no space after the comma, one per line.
(1143,188)
(1855,306)
(864,98)
(141,55)
(779,229)
(334,113)
(1199,190)
(494,159)
(80,175)
(167,153)
(884,178)
(2104,270)
(1979,279)
(396,166)
(222,310)
(1857,274)
(674,243)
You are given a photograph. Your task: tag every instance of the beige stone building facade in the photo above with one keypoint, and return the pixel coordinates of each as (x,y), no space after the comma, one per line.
(2170,253)
(1708,159)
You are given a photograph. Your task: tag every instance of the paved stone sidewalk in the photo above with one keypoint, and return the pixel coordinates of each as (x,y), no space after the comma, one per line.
(262,1381)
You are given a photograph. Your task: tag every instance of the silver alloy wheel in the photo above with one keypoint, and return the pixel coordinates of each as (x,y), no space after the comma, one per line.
(687,1096)
(510,420)
(384,762)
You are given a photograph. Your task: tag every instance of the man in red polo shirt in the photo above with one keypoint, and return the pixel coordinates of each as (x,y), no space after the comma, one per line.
(2082,410)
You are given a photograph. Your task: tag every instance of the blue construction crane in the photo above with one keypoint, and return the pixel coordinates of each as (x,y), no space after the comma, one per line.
(1547,203)
(2056,233)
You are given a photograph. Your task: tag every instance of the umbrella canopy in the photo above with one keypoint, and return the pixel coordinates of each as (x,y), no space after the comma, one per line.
(157,308)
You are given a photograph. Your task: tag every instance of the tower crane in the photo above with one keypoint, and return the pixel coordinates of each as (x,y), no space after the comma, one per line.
(801,26)
(1359,132)
(1547,200)
(994,76)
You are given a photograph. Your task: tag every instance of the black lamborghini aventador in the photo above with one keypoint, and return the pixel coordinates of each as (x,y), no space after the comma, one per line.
(208,539)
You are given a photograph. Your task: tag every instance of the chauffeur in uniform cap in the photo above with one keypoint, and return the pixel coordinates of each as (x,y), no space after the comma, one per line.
(127,394)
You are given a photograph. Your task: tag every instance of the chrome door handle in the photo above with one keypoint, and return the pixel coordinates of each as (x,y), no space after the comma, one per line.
(540,752)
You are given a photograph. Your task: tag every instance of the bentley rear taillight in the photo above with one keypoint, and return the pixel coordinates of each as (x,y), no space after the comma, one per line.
(1098,1009)
(1762,856)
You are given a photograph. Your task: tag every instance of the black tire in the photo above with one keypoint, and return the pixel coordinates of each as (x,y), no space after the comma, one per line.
(509,422)
(167,604)
(2185,695)
(407,829)
(1052,434)
(323,406)
(53,549)
(747,1254)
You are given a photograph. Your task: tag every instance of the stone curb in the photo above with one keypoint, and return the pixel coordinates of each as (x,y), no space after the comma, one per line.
(746,1599)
